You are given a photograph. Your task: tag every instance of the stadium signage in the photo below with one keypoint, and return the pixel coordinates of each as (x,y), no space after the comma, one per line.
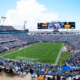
(44,24)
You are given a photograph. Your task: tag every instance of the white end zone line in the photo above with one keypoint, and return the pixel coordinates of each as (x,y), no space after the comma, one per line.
(56,62)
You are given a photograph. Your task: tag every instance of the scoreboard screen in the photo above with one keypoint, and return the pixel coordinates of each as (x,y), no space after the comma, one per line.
(42,25)
(57,25)
(69,25)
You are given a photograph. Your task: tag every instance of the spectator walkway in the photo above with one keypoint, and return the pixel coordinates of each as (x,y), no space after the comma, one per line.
(5,77)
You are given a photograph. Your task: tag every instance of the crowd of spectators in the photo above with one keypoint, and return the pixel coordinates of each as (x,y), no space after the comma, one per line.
(20,68)
(8,41)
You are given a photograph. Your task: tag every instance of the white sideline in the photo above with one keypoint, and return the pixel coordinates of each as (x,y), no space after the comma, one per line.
(56,62)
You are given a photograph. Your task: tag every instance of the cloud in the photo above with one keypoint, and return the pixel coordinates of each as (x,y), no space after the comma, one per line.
(30,11)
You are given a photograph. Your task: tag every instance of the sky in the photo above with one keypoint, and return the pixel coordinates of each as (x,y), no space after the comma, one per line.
(36,11)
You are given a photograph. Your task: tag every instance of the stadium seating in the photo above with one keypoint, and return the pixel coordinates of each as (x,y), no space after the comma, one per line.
(6,28)
(9,41)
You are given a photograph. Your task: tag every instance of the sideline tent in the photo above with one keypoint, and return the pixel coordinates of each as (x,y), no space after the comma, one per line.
(65,68)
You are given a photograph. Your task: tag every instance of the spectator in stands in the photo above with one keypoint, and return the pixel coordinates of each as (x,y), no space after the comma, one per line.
(40,78)
(38,73)
(31,71)
(45,72)
(53,77)
(49,72)
(45,78)
(16,68)
(41,71)
(77,77)
(67,72)
(48,78)
(0,71)
(58,77)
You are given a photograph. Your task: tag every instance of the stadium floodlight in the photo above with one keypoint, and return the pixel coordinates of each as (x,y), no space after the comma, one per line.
(3,19)
(24,24)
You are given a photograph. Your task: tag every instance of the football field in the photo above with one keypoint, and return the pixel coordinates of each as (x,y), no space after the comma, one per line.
(44,52)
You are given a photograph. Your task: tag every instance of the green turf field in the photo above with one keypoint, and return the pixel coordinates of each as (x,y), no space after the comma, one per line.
(45,52)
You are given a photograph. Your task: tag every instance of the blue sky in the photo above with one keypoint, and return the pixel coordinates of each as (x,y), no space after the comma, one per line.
(68,10)
(6,5)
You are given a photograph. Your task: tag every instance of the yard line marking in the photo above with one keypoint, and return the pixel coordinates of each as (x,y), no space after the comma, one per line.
(57,59)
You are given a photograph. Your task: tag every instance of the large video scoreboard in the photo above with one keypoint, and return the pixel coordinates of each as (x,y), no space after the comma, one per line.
(56,25)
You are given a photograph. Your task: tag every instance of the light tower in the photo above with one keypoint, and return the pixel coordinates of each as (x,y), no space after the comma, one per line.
(3,19)
(24,24)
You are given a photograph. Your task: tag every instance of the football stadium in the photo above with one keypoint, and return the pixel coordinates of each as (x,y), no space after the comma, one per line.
(51,52)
